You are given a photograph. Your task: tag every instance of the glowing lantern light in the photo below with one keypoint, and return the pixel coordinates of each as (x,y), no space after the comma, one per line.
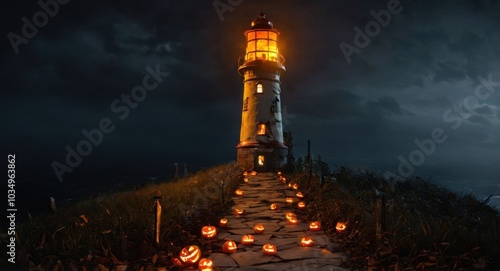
(301,205)
(239,192)
(289,200)
(306,242)
(253,173)
(229,247)
(315,226)
(299,195)
(289,184)
(247,239)
(246,180)
(289,215)
(190,255)
(205,265)
(208,232)
(269,249)
(245,173)
(341,226)
(223,222)
(295,186)
(258,229)
(239,211)
(275,206)
(284,180)
(262,41)
(279,173)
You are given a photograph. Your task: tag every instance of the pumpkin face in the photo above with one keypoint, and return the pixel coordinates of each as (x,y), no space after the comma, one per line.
(306,242)
(293,220)
(269,249)
(190,255)
(229,247)
(239,211)
(301,205)
(238,192)
(299,195)
(289,215)
(258,229)
(341,226)
(245,173)
(289,200)
(208,232)
(295,186)
(247,239)
(315,226)
(223,222)
(275,206)
(205,265)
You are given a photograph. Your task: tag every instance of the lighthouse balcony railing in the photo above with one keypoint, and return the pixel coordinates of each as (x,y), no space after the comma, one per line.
(242,60)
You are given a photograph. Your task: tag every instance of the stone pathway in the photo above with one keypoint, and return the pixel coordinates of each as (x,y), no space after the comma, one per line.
(259,193)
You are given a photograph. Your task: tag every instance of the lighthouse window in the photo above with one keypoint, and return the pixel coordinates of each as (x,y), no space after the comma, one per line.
(260,88)
(261,160)
(251,35)
(261,129)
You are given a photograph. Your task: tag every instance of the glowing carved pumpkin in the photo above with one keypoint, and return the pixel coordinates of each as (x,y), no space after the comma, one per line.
(223,222)
(246,180)
(247,239)
(229,247)
(190,255)
(279,173)
(205,265)
(269,249)
(239,211)
(301,205)
(315,226)
(295,186)
(289,200)
(289,215)
(238,192)
(253,173)
(341,226)
(289,184)
(258,229)
(299,195)
(275,206)
(293,220)
(245,173)
(306,242)
(208,232)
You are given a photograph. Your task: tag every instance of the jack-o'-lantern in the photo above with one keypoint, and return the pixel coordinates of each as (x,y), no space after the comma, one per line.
(289,214)
(245,180)
(239,211)
(229,247)
(279,173)
(299,195)
(295,186)
(223,222)
(258,229)
(289,200)
(275,206)
(289,184)
(341,226)
(269,249)
(247,239)
(301,205)
(253,173)
(306,242)
(293,220)
(239,192)
(190,255)
(245,173)
(205,265)
(315,226)
(208,232)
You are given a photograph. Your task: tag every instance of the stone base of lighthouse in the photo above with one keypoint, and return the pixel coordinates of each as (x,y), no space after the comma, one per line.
(261,158)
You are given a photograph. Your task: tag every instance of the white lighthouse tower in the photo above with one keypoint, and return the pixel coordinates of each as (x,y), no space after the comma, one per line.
(261,145)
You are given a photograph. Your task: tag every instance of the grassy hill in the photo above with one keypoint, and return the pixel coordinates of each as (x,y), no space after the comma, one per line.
(428,227)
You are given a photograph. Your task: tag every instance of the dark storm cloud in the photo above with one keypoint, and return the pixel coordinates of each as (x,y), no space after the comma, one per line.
(365,113)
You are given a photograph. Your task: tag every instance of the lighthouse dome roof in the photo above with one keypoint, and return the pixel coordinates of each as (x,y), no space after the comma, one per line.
(261,22)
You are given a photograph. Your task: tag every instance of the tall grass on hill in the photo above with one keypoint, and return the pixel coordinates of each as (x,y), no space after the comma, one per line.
(428,227)
(119,226)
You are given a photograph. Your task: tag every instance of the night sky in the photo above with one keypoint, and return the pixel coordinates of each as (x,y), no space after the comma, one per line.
(361,111)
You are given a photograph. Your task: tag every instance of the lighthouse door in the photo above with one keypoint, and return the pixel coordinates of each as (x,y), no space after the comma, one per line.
(260,162)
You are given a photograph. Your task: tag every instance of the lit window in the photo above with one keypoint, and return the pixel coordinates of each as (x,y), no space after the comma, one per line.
(261,160)
(261,129)
(260,88)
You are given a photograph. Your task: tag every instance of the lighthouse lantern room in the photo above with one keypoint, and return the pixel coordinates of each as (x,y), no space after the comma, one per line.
(261,145)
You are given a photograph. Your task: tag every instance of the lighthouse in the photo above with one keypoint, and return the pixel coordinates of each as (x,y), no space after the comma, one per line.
(261,145)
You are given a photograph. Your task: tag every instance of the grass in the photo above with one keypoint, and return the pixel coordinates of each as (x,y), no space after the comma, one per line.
(428,227)
(119,227)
